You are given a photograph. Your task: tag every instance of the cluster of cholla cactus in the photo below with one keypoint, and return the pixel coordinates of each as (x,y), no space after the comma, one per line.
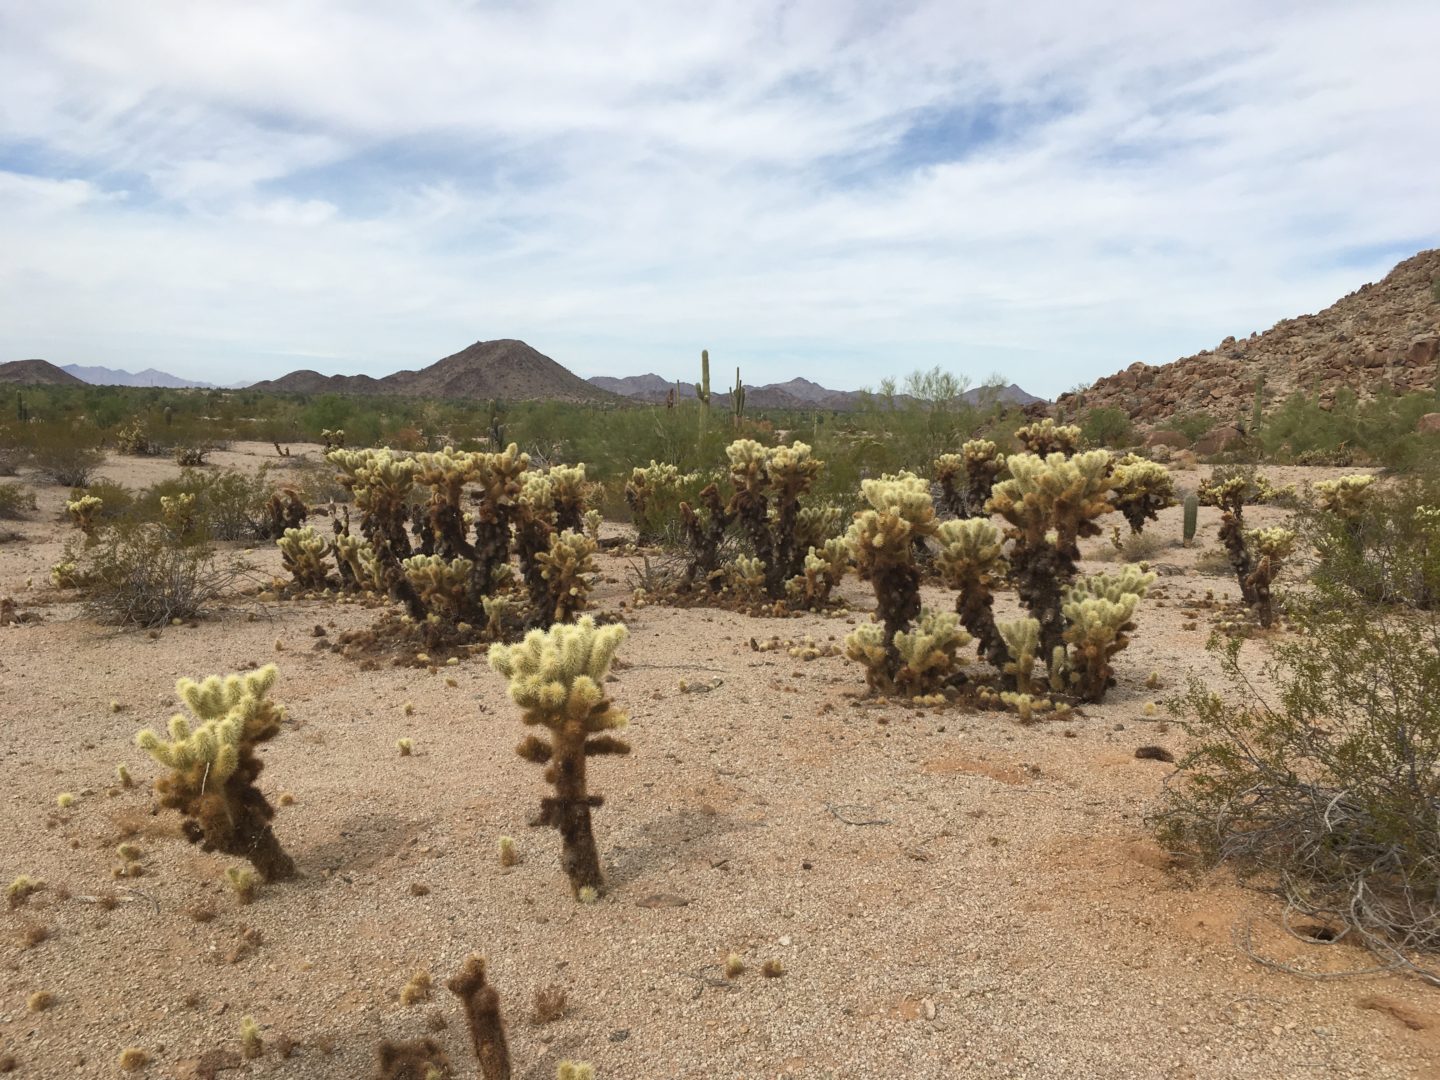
(1142,489)
(557,677)
(214,766)
(1060,651)
(1256,555)
(1347,498)
(1045,437)
(769,484)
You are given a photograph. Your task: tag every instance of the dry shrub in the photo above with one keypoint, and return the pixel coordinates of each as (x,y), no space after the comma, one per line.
(140,575)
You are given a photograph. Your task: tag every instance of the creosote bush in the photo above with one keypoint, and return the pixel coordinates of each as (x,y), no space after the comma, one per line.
(214,766)
(557,678)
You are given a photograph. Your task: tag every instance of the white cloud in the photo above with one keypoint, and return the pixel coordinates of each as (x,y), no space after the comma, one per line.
(227,189)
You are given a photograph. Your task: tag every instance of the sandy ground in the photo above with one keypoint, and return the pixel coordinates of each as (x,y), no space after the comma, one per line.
(951,894)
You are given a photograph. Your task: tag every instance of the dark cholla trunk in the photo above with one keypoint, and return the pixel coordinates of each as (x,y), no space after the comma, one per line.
(897,595)
(704,537)
(482,1014)
(976,607)
(1041,574)
(569,811)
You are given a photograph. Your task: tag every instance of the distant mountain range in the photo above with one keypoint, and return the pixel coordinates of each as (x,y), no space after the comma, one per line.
(104,376)
(504,370)
(795,394)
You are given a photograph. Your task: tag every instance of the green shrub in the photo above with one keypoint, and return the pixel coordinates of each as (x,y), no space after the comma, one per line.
(136,574)
(15,500)
(1328,789)
(1385,548)
(1108,426)
(64,456)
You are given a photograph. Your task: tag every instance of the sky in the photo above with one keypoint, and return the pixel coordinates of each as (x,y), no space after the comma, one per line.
(1048,191)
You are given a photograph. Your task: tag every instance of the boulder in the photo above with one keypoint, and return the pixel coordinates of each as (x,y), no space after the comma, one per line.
(1429,424)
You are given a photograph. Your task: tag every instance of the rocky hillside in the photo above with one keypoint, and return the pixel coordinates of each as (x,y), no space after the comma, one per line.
(37,373)
(1383,334)
(506,370)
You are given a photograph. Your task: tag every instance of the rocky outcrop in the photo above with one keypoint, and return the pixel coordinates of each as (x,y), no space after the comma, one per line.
(1385,334)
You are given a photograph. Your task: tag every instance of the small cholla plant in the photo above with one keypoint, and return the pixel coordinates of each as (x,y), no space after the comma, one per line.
(333,438)
(568,496)
(84,512)
(1045,437)
(1050,503)
(303,552)
(1142,489)
(882,544)
(949,470)
(972,561)
(928,653)
(359,568)
(557,678)
(380,481)
(482,1015)
(1268,548)
(983,465)
(284,510)
(444,587)
(177,513)
(824,569)
(704,531)
(213,767)
(1099,613)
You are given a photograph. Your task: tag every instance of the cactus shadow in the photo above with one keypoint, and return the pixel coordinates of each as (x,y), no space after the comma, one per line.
(365,838)
(682,836)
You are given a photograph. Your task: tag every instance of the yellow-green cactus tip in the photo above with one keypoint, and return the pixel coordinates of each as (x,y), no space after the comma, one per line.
(250,1044)
(1149,708)
(115,706)
(454,661)
(133,1059)
(575,1070)
(405,746)
(409,708)
(734,966)
(128,852)
(64,800)
(587,895)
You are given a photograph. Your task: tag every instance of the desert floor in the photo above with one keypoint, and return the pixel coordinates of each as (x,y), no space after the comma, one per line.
(951,894)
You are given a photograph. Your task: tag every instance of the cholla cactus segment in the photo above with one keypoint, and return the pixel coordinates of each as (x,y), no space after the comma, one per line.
(825,568)
(568,568)
(792,469)
(1346,497)
(380,480)
(593,520)
(1109,586)
(971,552)
(928,658)
(1022,641)
(446,472)
(816,525)
(1045,437)
(537,494)
(303,552)
(748,461)
(1142,489)
(866,645)
(497,610)
(556,674)
(357,554)
(84,512)
(575,1070)
(568,495)
(1056,492)
(213,766)
(1276,543)
(440,583)
(498,475)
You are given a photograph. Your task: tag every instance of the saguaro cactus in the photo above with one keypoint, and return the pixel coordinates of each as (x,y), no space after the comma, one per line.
(1192,519)
(702,390)
(737,399)
(556,676)
(213,767)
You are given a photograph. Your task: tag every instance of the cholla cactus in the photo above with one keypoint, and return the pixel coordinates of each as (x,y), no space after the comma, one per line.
(332,438)
(1045,437)
(284,510)
(768,486)
(444,586)
(358,564)
(84,512)
(1269,548)
(498,610)
(568,570)
(557,677)
(983,464)
(593,520)
(881,541)
(704,530)
(1099,611)
(825,568)
(445,473)
(213,767)
(482,1016)
(380,482)
(1050,503)
(568,495)
(177,513)
(747,578)
(928,660)
(972,560)
(651,493)
(1346,498)
(949,472)
(1022,643)
(303,553)
(1142,489)
(868,646)
(815,526)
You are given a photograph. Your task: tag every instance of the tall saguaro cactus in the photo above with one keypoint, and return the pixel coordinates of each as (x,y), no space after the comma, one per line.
(702,390)
(737,399)
(213,767)
(557,678)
